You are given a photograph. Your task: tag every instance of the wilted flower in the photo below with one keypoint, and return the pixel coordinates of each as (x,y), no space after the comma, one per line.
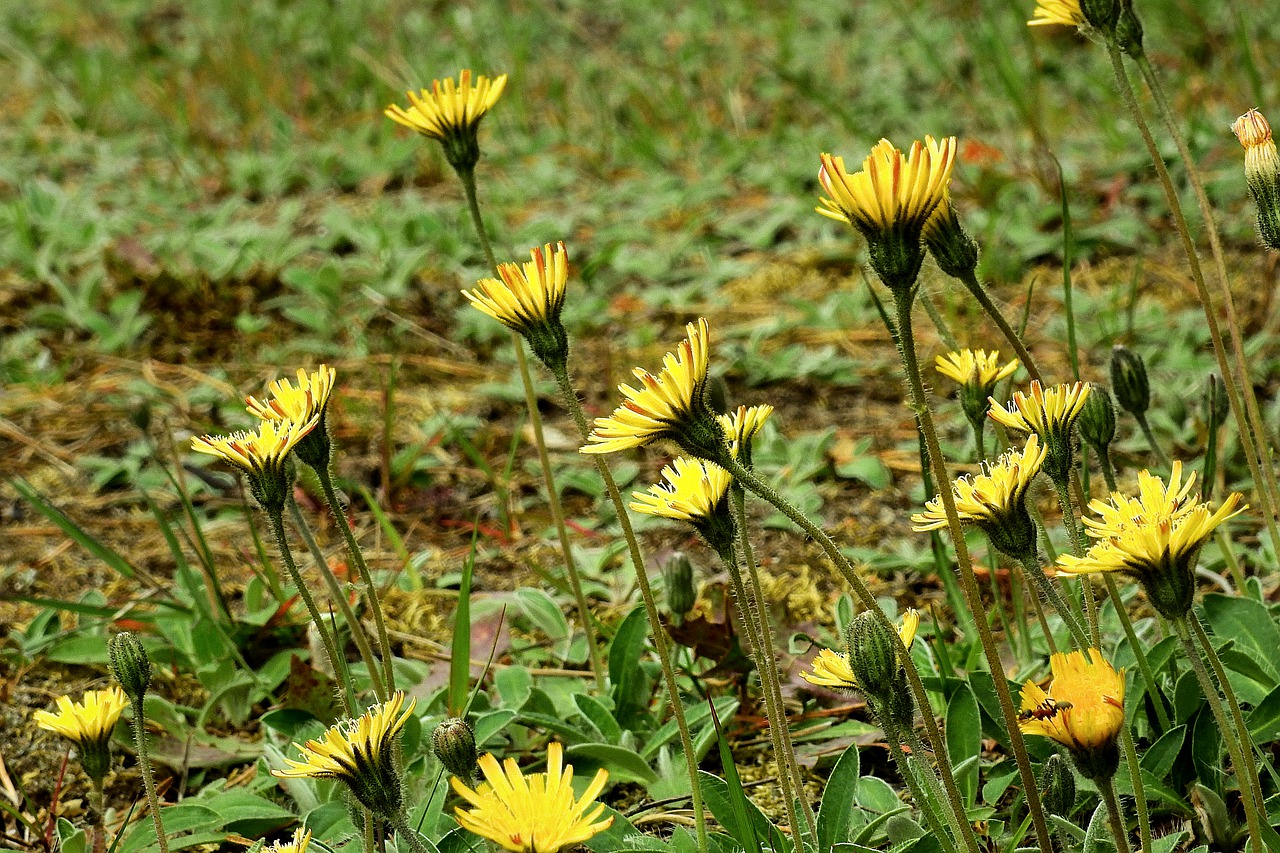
(671,405)
(1262,172)
(451,113)
(537,813)
(1083,710)
(528,300)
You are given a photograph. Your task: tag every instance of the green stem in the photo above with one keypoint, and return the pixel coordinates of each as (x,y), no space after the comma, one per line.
(468,178)
(1108,469)
(275,519)
(1242,731)
(574,405)
(770,680)
(975,287)
(1151,439)
(406,832)
(1115,817)
(1139,790)
(148,774)
(366,577)
(1231,380)
(1214,698)
(339,597)
(939,323)
(1049,592)
(367,831)
(1078,547)
(100,806)
(925,803)
(1144,665)
(957,823)
(979,428)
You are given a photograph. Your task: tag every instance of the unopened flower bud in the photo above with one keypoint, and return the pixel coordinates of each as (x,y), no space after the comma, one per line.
(1129,30)
(1129,381)
(1058,787)
(1101,14)
(1098,419)
(129,664)
(1262,172)
(873,655)
(454,743)
(955,252)
(1214,405)
(677,575)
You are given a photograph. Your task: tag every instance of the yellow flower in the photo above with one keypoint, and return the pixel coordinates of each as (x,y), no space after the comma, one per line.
(1155,501)
(258,452)
(529,301)
(975,367)
(298,844)
(670,405)
(302,403)
(90,720)
(360,753)
(537,813)
(742,424)
(695,490)
(449,109)
(1042,412)
(990,498)
(1083,709)
(1066,13)
(892,192)
(831,669)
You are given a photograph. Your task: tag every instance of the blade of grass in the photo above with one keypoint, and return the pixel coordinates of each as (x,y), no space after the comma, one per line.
(460,653)
(393,536)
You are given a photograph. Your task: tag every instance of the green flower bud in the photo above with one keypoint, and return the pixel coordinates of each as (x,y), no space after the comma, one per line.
(1129,30)
(677,575)
(955,252)
(1098,418)
(1101,14)
(454,743)
(129,664)
(1214,405)
(1129,380)
(873,655)
(1058,787)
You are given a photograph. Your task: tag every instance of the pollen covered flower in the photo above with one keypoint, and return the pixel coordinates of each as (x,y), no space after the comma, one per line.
(671,405)
(89,724)
(261,455)
(451,113)
(537,813)
(1262,172)
(299,404)
(995,500)
(528,300)
(298,844)
(890,200)
(1066,13)
(1083,710)
(1049,414)
(1155,539)
(695,491)
(360,753)
(832,669)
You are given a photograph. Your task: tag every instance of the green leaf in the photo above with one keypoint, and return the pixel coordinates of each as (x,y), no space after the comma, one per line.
(877,795)
(696,716)
(614,838)
(183,817)
(461,841)
(491,724)
(835,812)
(1097,838)
(1248,623)
(600,716)
(740,817)
(547,616)
(1263,721)
(625,674)
(624,765)
(71,839)
(1159,757)
(248,814)
(964,740)
(460,653)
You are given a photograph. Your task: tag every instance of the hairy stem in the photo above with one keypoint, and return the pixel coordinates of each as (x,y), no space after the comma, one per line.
(1115,817)
(924,802)
(1078,547)
(1049,592)
(148,774)
(1140,653)
(975,287)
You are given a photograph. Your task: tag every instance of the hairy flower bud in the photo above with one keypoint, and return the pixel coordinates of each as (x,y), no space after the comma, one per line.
(1129,380)
(873,655)
(1129,30)
(1098,419)
(454,744)
(955,252)
(1101,14)
(129,664)
(1058,787)
(1262,172)
(677,574)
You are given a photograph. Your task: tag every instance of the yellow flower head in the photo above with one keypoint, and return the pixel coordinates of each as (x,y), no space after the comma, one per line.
(831,669)
(1155,538)
(360,753)
(1083,709)
(994,500)
(528,300)
(302,403)
(977,368)
(893,192)
(259,452)
(670,405)
(451,113)
(537,813)
(90,720)
(89,724)
(695,490)
(742,424)
(298,844)
(1049,414)
(1066,13)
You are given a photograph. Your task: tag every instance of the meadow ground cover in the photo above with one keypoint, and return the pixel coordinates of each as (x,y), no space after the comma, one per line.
(846,517)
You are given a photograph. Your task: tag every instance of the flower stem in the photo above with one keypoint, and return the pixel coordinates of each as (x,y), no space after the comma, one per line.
(769,677)
(1078,548)
(100,806)
(1214,698)
(1115,817)
(406,832)
(1144,665)
(1233,381)
(148,774)
(958,823)
(924,418)
(975,287)
(1139,791)
(1108,470)
(1151,439)
(275,519)
(339,597)
(468,178)
(925,803)
(1049,592)
(656,630)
